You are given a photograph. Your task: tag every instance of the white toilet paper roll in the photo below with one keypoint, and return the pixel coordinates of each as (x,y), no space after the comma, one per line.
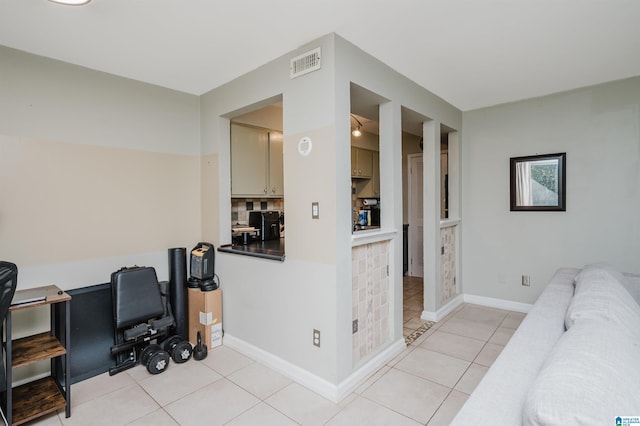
(369,202)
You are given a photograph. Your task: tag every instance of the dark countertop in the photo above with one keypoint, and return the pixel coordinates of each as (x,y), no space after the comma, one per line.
(270,249)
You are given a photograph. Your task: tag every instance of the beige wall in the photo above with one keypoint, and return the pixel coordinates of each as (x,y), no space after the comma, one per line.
(65,202)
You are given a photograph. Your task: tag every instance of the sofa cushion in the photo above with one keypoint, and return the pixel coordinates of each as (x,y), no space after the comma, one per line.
(601,268)
(599,295)
(591,377)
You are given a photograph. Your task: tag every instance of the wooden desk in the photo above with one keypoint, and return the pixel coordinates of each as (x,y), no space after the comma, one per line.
(46,395)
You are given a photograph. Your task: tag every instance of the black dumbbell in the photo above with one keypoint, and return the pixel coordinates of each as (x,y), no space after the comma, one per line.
(180,350)
(155,359)
(200,350)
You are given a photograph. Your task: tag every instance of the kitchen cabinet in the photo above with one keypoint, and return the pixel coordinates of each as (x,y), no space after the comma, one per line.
(49,394)
(361,162)
(256,162)
(370,187)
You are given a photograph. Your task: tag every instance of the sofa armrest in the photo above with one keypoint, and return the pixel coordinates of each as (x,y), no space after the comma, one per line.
(632,285)
(499,397)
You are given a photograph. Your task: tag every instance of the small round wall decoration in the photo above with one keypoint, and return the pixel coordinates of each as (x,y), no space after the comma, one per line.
(305,146)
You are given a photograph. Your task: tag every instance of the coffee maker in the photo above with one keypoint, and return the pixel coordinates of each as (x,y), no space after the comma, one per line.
(202,267)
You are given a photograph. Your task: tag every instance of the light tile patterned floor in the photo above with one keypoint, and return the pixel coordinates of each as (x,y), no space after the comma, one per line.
(426,384)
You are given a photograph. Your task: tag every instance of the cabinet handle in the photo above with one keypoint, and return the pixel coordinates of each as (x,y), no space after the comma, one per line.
(265,190)
(273,190)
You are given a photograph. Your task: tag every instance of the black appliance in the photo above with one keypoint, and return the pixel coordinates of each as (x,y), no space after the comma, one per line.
(203,259)
(267,222)
(375,216)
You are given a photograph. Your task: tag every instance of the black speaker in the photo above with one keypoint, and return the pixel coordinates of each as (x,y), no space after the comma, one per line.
(178,290)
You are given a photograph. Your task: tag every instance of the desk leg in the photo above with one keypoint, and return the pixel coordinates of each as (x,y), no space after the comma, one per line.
(8,375)
(67,357)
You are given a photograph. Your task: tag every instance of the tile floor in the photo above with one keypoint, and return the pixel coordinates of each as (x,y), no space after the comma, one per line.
(424,385)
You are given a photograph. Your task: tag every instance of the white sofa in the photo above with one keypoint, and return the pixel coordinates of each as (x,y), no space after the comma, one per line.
(574,360)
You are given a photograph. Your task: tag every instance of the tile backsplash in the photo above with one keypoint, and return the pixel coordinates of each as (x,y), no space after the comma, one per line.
(240,207)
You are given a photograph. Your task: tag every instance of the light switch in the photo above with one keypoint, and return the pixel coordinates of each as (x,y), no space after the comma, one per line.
(315,210)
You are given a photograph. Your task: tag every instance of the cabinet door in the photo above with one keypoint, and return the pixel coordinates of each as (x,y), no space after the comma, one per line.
(248,161)
(375,179)
(354,162)
(276,165)
(370,187)
(365,163)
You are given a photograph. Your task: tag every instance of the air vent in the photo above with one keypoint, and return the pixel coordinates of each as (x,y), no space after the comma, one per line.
(305,63)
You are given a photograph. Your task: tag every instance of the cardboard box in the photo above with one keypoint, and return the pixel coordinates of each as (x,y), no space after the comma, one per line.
(205,316)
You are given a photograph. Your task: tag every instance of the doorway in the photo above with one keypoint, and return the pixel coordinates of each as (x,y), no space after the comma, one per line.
(415,192)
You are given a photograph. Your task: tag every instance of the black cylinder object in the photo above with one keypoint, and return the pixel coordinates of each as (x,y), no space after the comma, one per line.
(178,290)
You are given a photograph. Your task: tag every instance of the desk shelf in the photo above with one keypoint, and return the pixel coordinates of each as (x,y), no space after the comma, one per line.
(32,349)
(36,399)
(43,396)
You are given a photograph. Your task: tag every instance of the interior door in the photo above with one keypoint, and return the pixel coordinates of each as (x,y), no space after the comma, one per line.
(416,222)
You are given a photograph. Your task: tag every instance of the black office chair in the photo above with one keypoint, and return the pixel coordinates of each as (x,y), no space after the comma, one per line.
(141,314)
(8,283)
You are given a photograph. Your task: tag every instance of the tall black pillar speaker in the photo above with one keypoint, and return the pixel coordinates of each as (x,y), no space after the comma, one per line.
(178,290)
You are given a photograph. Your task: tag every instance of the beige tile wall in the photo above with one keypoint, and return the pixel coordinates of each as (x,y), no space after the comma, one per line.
(448,263)
(370,298)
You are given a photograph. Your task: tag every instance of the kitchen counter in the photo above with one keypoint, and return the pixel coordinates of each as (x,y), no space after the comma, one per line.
(270,249)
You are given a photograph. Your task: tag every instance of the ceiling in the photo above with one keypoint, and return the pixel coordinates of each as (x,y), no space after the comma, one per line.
(471,53)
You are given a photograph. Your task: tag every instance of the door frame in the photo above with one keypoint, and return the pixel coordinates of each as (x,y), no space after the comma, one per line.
(411,206)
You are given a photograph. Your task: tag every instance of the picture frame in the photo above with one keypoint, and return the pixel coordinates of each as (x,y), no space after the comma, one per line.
(538,182)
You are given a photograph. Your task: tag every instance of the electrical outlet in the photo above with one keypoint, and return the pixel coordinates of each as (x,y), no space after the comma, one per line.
(526,280)
(316,337)
(354,326)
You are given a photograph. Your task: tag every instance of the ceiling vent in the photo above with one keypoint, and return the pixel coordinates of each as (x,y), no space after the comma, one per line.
(305,63)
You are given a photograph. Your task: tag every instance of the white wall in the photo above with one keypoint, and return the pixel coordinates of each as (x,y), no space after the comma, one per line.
(599,129)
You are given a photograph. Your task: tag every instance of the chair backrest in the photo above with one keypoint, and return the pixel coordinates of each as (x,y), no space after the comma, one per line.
(136,296)
(8,283)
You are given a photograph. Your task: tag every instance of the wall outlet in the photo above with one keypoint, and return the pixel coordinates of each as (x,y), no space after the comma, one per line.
(526,281)
(354,326)
(316,337)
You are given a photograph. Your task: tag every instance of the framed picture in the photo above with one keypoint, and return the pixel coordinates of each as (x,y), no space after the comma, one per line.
(538,182)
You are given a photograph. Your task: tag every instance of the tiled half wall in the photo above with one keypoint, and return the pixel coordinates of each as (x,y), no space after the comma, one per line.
(370,298)
(448,263)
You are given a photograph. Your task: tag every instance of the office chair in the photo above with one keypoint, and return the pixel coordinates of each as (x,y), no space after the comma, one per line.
(8,283)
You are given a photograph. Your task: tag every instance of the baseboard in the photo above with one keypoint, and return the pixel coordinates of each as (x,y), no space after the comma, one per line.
(317,384)
(491,302)
(443,311)
(356,378)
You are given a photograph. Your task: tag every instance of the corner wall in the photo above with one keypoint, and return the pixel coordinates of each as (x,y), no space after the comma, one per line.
(96,171)
(599,129)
